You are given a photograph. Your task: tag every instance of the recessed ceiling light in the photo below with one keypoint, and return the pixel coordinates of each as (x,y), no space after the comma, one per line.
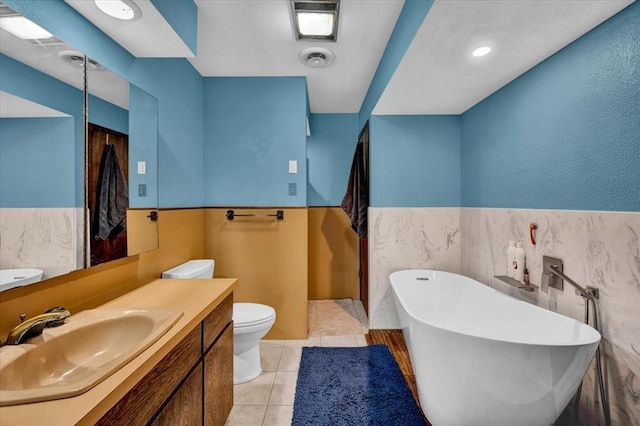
(312,23)
(23,28)
(315,20)
(481,51)
(125,10)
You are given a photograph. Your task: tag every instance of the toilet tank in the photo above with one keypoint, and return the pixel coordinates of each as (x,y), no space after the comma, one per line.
(201,268)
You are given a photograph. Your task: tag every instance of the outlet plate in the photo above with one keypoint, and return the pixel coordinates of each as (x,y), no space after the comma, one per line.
(293,190)
(142,190)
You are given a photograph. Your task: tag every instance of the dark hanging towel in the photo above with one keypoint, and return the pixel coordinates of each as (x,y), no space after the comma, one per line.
(356,200)
(112,197)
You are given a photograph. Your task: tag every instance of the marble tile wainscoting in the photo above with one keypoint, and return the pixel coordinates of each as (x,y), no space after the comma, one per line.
(46,238)
(408,238)
(599,249)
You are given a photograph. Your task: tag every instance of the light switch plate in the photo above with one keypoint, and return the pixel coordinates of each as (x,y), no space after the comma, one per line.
(293,166)
(142,167)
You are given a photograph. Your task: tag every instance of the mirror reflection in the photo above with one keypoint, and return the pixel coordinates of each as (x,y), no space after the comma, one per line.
(121,167)
(41,159)
(43,220)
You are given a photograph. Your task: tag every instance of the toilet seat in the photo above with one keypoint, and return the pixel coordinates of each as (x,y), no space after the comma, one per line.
(251,314)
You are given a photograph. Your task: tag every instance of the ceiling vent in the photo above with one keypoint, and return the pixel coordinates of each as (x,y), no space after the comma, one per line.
(76,59)
(317,57)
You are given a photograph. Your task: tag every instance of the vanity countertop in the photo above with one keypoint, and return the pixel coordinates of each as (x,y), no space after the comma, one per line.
(195,298)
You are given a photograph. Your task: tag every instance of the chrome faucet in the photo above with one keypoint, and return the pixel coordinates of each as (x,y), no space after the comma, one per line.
(33,327)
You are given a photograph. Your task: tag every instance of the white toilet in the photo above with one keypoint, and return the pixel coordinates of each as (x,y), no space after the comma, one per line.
(251,321)
(193,269)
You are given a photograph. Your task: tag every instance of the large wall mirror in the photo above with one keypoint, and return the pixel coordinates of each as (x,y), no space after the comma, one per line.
(68,202)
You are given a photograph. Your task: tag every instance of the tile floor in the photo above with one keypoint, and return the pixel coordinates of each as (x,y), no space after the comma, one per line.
(268,400)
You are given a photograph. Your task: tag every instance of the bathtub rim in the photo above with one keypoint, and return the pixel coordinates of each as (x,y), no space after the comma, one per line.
(596,334)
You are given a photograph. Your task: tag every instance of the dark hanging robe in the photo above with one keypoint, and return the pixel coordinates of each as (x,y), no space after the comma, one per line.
(356,200)
(112,197)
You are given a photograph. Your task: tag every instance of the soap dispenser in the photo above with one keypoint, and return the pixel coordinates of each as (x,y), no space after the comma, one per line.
(511,257)
(519,263)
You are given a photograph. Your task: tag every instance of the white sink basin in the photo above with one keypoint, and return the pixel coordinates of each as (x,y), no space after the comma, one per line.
(11,278)
(71,359)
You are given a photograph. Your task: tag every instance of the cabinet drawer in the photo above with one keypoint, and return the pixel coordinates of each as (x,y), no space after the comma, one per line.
(216,321)
(141,403)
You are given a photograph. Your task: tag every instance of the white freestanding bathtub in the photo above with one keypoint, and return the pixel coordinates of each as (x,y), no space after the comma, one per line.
(482,357)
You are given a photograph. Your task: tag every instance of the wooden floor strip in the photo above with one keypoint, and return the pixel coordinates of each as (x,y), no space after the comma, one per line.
(395,341)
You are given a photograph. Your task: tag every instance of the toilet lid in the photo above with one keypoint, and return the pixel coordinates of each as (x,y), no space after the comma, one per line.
(248,314)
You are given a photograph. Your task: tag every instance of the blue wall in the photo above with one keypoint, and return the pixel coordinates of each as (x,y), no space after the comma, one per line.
(182,15)
(253,127)
(565,135)
(410,19)
(143,146)
(180,93)
(174,82)
(31,84)
(37,158)
(330,151)
(108,115)
(415,161)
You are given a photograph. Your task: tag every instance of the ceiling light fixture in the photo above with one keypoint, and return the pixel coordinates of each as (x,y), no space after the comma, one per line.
(315,20)
(481,51)
(23,28)
(125,10)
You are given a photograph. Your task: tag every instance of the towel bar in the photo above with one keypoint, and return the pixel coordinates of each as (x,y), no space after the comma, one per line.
(232,215)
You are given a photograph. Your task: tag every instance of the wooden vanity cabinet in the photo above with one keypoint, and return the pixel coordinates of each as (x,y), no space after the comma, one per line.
(192,385)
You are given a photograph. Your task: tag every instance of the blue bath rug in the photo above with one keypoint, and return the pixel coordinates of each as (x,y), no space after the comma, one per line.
(353,386)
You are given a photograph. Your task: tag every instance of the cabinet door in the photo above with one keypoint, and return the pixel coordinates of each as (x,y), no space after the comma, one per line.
(142,402)
(218,380)
(185,408)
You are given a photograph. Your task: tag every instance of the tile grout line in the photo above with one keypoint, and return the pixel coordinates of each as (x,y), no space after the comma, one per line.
(264,418)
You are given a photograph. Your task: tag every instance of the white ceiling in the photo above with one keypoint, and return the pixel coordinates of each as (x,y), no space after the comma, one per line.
(12,106)
(438,75)
(150,36)
(256,38)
